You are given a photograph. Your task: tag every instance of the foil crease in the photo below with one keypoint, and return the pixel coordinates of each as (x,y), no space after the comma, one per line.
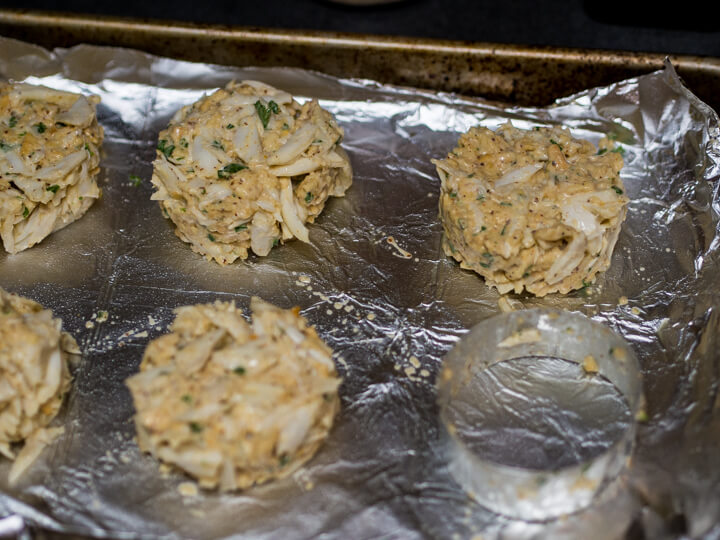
(377,286)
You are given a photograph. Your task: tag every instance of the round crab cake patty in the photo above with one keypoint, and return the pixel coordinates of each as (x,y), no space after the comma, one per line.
(245,168)
(234,403)
(49,159)
(34,377)
(531,210)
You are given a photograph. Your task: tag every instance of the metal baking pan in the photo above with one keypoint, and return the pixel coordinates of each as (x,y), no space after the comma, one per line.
(388,312)
(516,74)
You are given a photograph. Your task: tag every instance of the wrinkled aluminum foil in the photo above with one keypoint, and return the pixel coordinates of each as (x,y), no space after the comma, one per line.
(380,291)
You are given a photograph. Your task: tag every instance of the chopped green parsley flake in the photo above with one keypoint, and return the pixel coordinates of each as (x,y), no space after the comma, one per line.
(276,242)
(54,188)
(230,169)
(619,150)
(187,398)
(265,111)
(505,204)
(553,141)
(12,122)
(308,197)
(601,151)
(240,228)
(239,370)
(617,190)
(230,126)
(284,460)
(87,147)
(218,145)
(4,146)
(453,194)
(26,212)
(165,148)
(183,142)
(40,127)
(195,427)
(136,180)
(211,237)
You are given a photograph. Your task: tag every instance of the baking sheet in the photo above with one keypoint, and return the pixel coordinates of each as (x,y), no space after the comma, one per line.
(377,286)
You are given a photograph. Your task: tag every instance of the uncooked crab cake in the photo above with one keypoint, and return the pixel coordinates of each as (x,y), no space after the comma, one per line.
(34,377)
(49,156)
(533,210)
(234,403)
(246,167)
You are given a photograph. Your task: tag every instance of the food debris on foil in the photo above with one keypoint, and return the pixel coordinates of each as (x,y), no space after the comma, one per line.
(390,309)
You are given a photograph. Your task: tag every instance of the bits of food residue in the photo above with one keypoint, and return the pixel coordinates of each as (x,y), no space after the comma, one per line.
(589,365)
(399,252)
(528,335)
(187,489)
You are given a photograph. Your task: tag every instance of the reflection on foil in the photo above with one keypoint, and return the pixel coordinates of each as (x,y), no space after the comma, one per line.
(390,319)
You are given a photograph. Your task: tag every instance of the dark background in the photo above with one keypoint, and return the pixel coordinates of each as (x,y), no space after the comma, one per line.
(684,27)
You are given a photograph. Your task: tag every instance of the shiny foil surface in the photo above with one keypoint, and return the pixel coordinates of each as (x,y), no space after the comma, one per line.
(377,286)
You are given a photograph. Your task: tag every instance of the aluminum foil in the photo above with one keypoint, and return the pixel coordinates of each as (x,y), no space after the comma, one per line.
(380,291)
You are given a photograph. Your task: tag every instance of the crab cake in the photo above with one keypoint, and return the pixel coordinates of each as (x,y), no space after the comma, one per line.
(34,377)
(531,210)
(245,168)
(234,403)
(49,156)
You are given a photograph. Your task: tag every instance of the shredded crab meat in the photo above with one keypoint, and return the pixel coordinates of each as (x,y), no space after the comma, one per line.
(531,210)
(234,403)
(34,378)
(49,160)
(246,168)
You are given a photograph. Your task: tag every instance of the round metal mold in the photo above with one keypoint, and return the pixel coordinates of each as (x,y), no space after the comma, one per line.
(539,409)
